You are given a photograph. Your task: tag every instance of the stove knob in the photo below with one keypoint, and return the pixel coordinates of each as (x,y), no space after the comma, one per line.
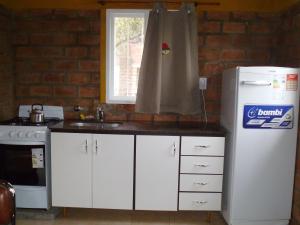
(37,135)
(12,133)
(21,134)
(29,134)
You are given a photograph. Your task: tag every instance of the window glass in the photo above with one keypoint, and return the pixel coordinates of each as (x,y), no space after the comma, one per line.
(125,41)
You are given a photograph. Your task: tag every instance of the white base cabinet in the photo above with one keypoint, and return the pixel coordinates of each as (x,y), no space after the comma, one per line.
(71,170)
(157,162)
(92,170)
(100,171)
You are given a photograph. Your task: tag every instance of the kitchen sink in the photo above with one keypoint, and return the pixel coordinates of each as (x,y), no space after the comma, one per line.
(100,125)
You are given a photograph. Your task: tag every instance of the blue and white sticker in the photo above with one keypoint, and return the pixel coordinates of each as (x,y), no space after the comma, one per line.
(268,116)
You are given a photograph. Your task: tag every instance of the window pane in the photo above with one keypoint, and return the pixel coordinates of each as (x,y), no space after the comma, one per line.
(128,49)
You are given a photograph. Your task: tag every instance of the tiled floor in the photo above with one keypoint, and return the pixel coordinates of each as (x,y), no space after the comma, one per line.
(114,217)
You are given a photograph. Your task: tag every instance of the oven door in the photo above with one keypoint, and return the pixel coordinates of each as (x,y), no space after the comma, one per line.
(23,163)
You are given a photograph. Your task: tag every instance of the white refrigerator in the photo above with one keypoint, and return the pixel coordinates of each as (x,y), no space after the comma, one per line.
(260,113)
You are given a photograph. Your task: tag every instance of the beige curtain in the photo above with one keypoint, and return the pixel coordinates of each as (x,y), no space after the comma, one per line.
(168,80)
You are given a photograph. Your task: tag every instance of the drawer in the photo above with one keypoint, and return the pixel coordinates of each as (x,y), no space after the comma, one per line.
(200,201)
(206,183)
(202,146)
(199,164)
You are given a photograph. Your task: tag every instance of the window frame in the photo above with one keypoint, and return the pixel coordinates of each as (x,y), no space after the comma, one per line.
(110,15)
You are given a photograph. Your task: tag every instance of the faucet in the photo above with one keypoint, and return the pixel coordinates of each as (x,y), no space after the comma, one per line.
(100,114)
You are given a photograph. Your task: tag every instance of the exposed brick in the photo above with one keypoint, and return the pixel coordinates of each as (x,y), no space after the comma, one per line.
(39,52)
(263,41)
(94,53)
(20,39)
(87,14)
(40,65)
(260,28)
(140,117)
(89,39)
(54,77)
(164,118)
(65,65)
(75,25)
(65,13)
(259,55)
(22,90)
(52,39)
(95,26)
(209,27)
(115,117)
(28,77)
(79,78)
(241,40)
(244,16)
(234,27)
(233,54)
(88,92)
(218,15)
(89,65)
(76,52)
(211,69)
(218,41)
(40,90)
(65,91)
(209,54)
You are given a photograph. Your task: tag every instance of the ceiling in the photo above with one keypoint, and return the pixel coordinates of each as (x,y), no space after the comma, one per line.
(225,5)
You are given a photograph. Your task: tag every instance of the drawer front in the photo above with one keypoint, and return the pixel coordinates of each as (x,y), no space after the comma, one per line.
(200,201)
(198,164)
(203,146)
(206,183)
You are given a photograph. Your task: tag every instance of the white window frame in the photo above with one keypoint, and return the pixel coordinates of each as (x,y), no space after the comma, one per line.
(110,15)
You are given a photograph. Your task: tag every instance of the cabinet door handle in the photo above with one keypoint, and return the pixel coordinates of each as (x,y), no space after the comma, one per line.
(199,147)
(86,146)
(96,148)
(200,183)
(199,202)
(201,165)
(174,149)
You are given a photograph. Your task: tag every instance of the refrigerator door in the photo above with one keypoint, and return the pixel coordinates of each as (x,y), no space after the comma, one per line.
(265,146)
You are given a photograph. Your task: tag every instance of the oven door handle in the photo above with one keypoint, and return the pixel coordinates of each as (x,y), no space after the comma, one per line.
(22,143)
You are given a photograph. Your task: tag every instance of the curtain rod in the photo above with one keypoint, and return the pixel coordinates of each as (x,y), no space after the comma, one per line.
(103,2)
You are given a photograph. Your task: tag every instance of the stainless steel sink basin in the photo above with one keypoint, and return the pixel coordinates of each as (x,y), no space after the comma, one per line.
(95,124)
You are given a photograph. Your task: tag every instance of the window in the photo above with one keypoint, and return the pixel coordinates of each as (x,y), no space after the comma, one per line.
(125,33)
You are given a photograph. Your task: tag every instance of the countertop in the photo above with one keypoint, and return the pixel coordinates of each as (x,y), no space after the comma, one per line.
(183,128)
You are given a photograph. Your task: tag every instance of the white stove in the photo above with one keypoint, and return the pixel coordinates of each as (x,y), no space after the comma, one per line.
(25,156)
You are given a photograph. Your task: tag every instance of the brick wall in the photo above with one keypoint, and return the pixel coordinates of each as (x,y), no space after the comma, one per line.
(6,66)
(288,54)
(57,57)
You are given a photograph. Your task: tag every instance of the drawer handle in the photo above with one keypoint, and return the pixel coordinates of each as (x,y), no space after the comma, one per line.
(201,165)
(201,183)
(199,202)
(199,147)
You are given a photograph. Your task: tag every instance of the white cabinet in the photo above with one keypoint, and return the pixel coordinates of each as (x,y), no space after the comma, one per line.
(92,170)
(157,161)
(201,173)
(113,171)
(71,156)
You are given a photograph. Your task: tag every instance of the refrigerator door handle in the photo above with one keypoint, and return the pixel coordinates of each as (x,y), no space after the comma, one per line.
(256,83)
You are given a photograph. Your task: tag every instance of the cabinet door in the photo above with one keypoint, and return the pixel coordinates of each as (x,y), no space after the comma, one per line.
(71,169)
(113,171)
(157,159)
